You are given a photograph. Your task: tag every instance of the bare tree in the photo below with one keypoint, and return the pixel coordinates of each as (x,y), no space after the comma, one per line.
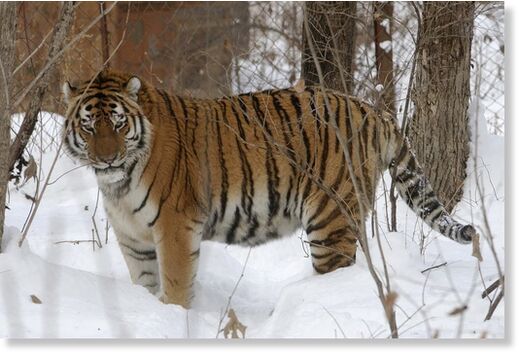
(332,27)
(439,128)
(382,24)
(325,74)
(383,27)
(8,14)
(31,116)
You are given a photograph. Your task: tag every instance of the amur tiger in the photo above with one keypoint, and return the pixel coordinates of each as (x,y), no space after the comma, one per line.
(244,169)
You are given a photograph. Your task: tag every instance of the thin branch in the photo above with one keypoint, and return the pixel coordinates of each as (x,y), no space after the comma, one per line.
(219,329)
(433,267)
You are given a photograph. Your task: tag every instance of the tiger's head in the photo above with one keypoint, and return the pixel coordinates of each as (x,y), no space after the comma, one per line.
(105,126)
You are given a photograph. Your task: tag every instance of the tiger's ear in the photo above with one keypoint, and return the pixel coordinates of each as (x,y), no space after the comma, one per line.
(68,92)
(132,87)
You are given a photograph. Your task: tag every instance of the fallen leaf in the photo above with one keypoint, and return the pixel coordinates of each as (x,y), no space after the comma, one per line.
(233,326)
(35,299)
(30,171)
(458,310)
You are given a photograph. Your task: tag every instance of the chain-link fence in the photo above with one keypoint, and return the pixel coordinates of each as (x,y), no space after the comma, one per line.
(210,49)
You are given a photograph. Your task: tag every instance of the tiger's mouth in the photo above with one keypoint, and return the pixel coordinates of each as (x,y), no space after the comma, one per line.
(108,166)
(110,174)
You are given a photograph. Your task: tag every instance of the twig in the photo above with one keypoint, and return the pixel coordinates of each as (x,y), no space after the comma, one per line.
(492,287)
(219,329)
(38,200)
(33,52)
(94,222)
(433,267)
(67,172)
(76,242)
(336,322)
(494,304)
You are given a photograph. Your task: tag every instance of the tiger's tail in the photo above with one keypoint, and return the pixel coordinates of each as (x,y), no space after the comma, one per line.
(419,195)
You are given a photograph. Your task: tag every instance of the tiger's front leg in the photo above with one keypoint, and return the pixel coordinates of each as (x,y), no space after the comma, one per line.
(141,260)
(177,239)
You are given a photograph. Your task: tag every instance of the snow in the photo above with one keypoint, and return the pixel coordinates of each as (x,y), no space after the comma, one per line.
(87,293)
(386,24)
(386,46)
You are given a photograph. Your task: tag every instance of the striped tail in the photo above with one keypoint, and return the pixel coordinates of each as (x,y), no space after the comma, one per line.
(417,192)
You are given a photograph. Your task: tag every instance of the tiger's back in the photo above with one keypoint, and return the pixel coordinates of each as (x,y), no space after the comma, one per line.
(269,158)
(243,169)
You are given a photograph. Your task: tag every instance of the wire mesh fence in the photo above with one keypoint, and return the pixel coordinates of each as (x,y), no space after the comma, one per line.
(210,49)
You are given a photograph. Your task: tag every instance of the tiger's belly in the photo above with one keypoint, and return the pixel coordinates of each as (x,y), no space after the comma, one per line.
(252,226)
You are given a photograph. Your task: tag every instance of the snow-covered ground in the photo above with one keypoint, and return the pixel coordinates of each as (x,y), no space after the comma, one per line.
(88,293)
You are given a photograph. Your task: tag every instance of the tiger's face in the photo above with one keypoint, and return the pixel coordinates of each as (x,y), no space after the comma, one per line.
(105,127)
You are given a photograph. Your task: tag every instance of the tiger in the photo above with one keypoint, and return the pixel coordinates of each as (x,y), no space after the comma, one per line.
(245,169)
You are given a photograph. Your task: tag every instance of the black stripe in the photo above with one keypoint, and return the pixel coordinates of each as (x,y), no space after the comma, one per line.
(140,254)
(143,203)
(349,131)
(428,208)
(417,188)
(323,256)
(225,180)
(161,202)
(270,163)
(325,148)
(243,108)
(183,105)
(142,133)
(247,188)
(253,227)
(146,273)
(325,198)
(297,106)
(335,213)
(231,233)
(285,119)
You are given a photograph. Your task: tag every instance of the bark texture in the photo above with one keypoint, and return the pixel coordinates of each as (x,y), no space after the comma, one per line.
(383,24)
(8,14)
(439,131)
(383,38)
(332,28)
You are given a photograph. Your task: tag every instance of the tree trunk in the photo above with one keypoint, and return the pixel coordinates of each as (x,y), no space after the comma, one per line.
(383,28)
(8,14)
(332,28)
(439,130)
(383,25)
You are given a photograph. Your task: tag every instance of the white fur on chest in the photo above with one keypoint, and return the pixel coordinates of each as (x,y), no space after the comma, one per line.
(126,220)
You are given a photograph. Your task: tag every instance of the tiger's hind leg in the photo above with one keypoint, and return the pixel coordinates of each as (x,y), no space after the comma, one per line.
(333,242)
